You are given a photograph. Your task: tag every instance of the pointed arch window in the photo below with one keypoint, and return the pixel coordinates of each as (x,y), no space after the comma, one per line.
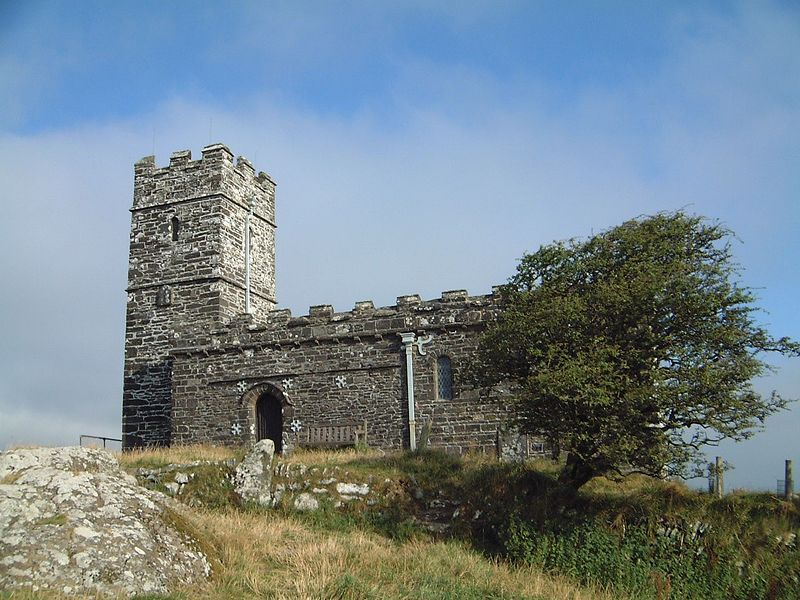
(444,378)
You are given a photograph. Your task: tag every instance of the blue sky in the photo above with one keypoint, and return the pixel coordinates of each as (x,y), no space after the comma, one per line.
(418,147)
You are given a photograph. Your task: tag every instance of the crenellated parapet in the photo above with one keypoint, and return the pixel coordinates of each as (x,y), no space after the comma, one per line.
(215,174)
(453,310)
(202,221)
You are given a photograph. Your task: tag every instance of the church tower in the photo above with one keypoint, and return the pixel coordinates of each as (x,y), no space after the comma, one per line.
(202,251)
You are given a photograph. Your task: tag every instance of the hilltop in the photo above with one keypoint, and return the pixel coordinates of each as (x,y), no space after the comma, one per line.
(430,525)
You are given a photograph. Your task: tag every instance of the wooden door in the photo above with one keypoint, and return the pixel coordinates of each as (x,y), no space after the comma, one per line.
(269,418)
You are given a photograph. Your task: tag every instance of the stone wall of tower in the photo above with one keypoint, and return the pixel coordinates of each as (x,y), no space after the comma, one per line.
(187,270)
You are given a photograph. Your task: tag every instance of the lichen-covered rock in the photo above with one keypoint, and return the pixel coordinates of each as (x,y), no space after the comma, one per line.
(253,477)
(352,489)
(71,520)
(306,502)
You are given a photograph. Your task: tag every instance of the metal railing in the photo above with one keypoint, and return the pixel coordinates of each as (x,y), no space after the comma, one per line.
(99,437)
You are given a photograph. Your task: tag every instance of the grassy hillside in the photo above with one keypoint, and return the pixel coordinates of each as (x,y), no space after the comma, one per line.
(519,532)
(439,526)
(354,551)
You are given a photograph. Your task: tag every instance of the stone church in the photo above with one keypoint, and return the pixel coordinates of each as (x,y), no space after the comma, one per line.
(210,359)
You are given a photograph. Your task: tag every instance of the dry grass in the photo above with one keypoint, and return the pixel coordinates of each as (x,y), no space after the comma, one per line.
(339,456)
(155,457)
(185,454)
(268,556)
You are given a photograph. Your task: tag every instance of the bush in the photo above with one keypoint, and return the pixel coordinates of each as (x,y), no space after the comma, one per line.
(652,562)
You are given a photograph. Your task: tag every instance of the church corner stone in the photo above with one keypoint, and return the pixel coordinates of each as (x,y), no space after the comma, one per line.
(200,368)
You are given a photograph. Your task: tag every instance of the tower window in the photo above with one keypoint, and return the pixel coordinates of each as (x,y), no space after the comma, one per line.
(444,378)
(175,227)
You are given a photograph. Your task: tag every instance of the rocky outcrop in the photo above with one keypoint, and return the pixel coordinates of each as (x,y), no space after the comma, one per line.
(253,478)
(71,520)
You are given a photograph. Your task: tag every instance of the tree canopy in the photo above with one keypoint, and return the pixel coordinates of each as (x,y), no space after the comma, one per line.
(632,349)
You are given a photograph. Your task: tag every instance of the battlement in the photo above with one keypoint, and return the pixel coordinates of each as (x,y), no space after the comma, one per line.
(406,304)
(410,304)
(215,174)
(454,309)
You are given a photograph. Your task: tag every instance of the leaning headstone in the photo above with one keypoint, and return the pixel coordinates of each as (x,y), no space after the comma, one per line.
(71,521)
(253,478)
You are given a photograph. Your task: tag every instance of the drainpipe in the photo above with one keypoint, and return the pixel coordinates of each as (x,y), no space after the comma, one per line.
(247,258)
(409,341)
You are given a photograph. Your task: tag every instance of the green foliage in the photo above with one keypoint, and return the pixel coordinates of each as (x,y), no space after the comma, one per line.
(648,563)
(634,348)
(392,520)
(422,586)
(426,467)
(642,537)
(210,487)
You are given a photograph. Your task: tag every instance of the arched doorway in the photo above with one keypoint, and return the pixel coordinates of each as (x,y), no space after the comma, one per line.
(269,419)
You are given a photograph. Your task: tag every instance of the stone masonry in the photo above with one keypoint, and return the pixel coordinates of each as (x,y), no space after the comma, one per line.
(200,368)
(186,270)
(330,368)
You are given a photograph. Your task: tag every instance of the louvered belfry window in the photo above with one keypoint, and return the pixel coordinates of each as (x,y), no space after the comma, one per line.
(444,378)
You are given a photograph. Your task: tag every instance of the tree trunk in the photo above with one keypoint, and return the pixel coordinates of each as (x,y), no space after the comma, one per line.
(578,472)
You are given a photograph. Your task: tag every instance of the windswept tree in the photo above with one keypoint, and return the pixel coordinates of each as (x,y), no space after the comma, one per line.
(632,349)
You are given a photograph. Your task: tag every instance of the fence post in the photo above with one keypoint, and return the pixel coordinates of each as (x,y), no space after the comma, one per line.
(719,480)
(712,479)
(789,481)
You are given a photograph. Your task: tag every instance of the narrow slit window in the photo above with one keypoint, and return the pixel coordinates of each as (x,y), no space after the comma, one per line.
(444,378)
(175,227)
